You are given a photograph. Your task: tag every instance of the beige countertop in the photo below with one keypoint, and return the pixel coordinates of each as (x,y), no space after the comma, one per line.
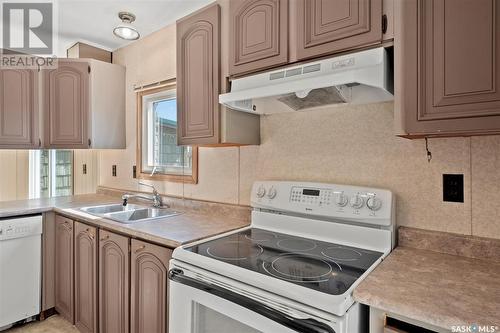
(440,289)
(172,231)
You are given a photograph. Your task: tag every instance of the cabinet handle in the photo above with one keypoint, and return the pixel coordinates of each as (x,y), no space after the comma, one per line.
(105,238)
(39,142)
(140,248)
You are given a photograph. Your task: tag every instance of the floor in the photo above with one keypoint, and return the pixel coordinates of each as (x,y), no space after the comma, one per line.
(54,324)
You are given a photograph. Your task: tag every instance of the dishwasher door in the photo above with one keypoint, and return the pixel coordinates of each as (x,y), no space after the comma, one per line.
(20,268)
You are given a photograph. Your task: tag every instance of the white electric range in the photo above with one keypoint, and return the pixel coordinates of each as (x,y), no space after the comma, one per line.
(293,270)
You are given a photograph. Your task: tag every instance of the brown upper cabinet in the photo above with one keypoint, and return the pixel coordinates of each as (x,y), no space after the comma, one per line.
(66,90)
(19,114)
(269,33)
(84,105)
(198,75)
(200,118)
(323,27)
(447,65)
(80,103)
(258,35)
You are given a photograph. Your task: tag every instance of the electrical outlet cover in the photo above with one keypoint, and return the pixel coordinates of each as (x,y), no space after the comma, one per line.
(453,188)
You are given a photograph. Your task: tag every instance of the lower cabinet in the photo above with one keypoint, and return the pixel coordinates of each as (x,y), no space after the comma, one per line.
(108,283)
(114,278)
(149,280)
(64,268)
(85,278)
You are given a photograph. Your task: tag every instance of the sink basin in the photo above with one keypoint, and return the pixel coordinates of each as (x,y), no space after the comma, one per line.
(129,213)
(105,209)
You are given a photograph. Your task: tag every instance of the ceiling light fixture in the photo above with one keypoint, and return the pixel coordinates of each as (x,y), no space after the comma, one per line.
(126,30)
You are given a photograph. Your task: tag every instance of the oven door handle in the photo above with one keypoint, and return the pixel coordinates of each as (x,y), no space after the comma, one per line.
(296,324)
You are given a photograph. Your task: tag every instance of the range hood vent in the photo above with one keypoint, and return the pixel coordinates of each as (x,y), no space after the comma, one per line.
(358,78)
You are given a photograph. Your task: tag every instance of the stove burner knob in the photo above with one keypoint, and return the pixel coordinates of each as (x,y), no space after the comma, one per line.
(271,193)
(374,203)
(261,191)
(341,199)
(357,201)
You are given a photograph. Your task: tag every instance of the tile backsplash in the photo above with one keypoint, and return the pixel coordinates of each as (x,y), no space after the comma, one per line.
(347,145)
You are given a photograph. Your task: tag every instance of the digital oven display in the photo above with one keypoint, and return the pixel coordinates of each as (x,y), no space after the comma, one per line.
(314,193)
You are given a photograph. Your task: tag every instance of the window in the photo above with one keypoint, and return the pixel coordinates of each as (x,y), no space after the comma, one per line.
(50,173)
(158,155)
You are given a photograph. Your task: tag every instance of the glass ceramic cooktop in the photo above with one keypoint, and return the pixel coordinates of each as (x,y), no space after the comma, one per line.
(326,267)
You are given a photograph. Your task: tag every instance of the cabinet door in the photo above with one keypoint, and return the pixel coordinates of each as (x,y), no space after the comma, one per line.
(19,119)
(66,94)
(328,26)
(149,288)
(85,278)
(448,72)
(258,35)
(198,71)
(114,269)
(64,268)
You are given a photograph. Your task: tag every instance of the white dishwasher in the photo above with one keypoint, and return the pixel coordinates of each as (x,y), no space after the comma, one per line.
(20,268)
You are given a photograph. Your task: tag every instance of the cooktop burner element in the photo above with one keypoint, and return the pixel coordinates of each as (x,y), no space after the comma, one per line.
(297,244)
(300,268)
(326,267)
(258,235)
(234,250)
(341,253)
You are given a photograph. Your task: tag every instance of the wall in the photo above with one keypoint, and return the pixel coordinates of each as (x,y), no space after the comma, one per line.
(14,182)
(347,145)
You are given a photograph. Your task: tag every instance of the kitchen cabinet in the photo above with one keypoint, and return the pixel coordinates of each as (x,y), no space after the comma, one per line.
(324,27)
(200,118)
(198,75)
(64,268)
(149,298)
(19,113)
(114,278)
(447,73)
(85,278)
(258,35)
(66,92)
(114,285)
(84,105)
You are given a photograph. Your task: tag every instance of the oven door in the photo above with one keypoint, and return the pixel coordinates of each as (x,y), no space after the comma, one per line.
(198,305)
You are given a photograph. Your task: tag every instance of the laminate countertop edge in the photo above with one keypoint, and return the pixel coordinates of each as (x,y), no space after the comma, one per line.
(171,231)
(438,289)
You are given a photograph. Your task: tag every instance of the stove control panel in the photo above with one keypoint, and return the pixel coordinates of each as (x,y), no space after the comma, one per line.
(329,200)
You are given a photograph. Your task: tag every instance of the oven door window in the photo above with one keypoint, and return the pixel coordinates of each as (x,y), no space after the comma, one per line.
(207,320)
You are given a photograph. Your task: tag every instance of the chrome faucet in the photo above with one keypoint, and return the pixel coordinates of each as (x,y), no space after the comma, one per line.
(155,197)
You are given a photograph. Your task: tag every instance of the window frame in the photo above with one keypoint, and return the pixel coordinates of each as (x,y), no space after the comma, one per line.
(141,174)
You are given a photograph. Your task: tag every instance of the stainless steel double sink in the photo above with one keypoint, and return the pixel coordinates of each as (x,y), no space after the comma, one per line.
(130,213)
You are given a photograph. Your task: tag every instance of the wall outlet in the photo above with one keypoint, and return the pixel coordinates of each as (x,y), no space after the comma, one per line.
(453,188)
(113,170)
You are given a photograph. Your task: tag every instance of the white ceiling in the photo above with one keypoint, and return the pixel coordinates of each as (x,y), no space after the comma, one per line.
(92,21)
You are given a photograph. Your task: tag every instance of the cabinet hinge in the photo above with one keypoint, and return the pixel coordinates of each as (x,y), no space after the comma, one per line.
(384,24)
(89,68)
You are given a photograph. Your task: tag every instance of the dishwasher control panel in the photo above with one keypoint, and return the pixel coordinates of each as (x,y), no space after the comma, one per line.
(22,226)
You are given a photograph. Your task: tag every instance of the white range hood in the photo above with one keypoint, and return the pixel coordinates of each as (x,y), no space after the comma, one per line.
(357,78)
